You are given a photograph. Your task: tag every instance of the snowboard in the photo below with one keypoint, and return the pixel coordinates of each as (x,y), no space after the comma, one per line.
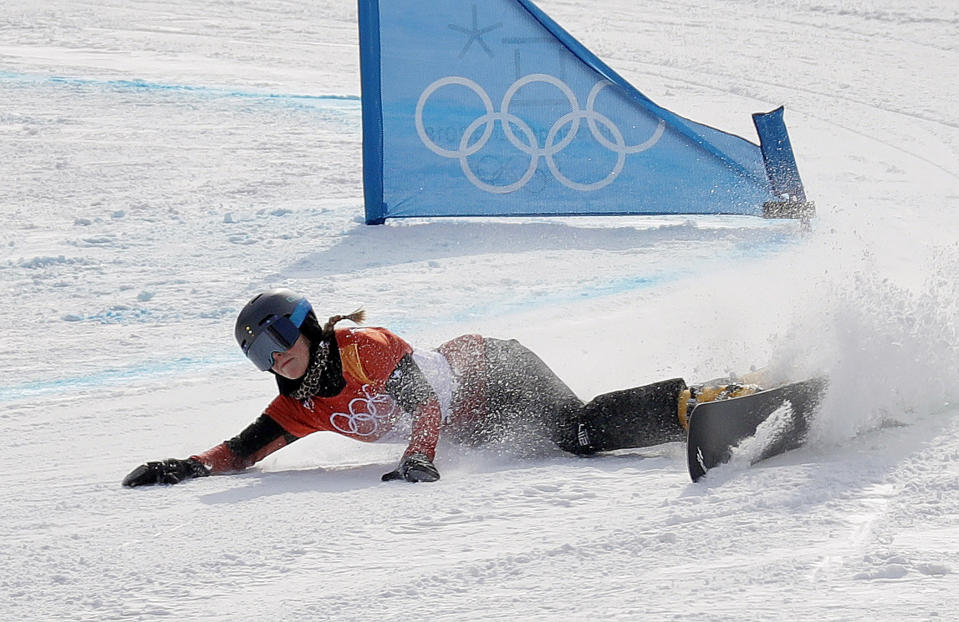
(716,428)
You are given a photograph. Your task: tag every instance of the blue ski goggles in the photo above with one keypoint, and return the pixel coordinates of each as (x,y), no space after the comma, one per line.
(277,334)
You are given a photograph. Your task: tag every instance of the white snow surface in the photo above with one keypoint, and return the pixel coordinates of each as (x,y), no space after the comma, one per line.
(163,161)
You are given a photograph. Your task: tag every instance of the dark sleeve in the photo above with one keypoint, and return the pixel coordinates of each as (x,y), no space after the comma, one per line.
(408,386)
(257,436)
(412,391)
(258,440)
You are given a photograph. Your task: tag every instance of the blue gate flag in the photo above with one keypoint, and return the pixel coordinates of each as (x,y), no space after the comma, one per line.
(492,109)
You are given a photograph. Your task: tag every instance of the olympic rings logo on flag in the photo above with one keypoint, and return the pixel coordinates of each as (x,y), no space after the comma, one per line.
(366,414)
(531,147)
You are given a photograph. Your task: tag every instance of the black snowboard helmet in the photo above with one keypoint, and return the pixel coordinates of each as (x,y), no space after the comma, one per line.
(272,322)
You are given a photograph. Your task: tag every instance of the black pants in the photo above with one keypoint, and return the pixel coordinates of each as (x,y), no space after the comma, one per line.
(527,401)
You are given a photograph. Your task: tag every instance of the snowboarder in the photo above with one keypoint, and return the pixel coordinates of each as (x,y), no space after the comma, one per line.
(369,384)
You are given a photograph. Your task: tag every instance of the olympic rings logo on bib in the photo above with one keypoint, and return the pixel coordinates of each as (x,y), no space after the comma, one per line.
(365,415)
(530,147)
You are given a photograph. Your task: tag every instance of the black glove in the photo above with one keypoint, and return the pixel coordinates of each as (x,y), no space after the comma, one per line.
(170,471)
(414,468)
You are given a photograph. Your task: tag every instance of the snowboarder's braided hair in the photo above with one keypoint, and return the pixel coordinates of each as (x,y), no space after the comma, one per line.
(357,317)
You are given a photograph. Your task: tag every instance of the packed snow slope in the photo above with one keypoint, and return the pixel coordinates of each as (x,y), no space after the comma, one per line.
(162,161)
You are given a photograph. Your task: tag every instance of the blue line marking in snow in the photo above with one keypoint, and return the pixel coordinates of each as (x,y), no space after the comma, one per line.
(143,85)
(138,372)
(611,288)
(512,303)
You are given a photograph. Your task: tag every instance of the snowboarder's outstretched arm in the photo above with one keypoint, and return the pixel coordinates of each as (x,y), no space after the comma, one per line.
(258,440)
(412,391)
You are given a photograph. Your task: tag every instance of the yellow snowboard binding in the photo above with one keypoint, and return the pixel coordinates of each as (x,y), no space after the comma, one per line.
(714,390)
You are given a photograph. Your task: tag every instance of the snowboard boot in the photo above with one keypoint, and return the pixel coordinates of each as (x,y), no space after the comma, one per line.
(710,392)
(637,417)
